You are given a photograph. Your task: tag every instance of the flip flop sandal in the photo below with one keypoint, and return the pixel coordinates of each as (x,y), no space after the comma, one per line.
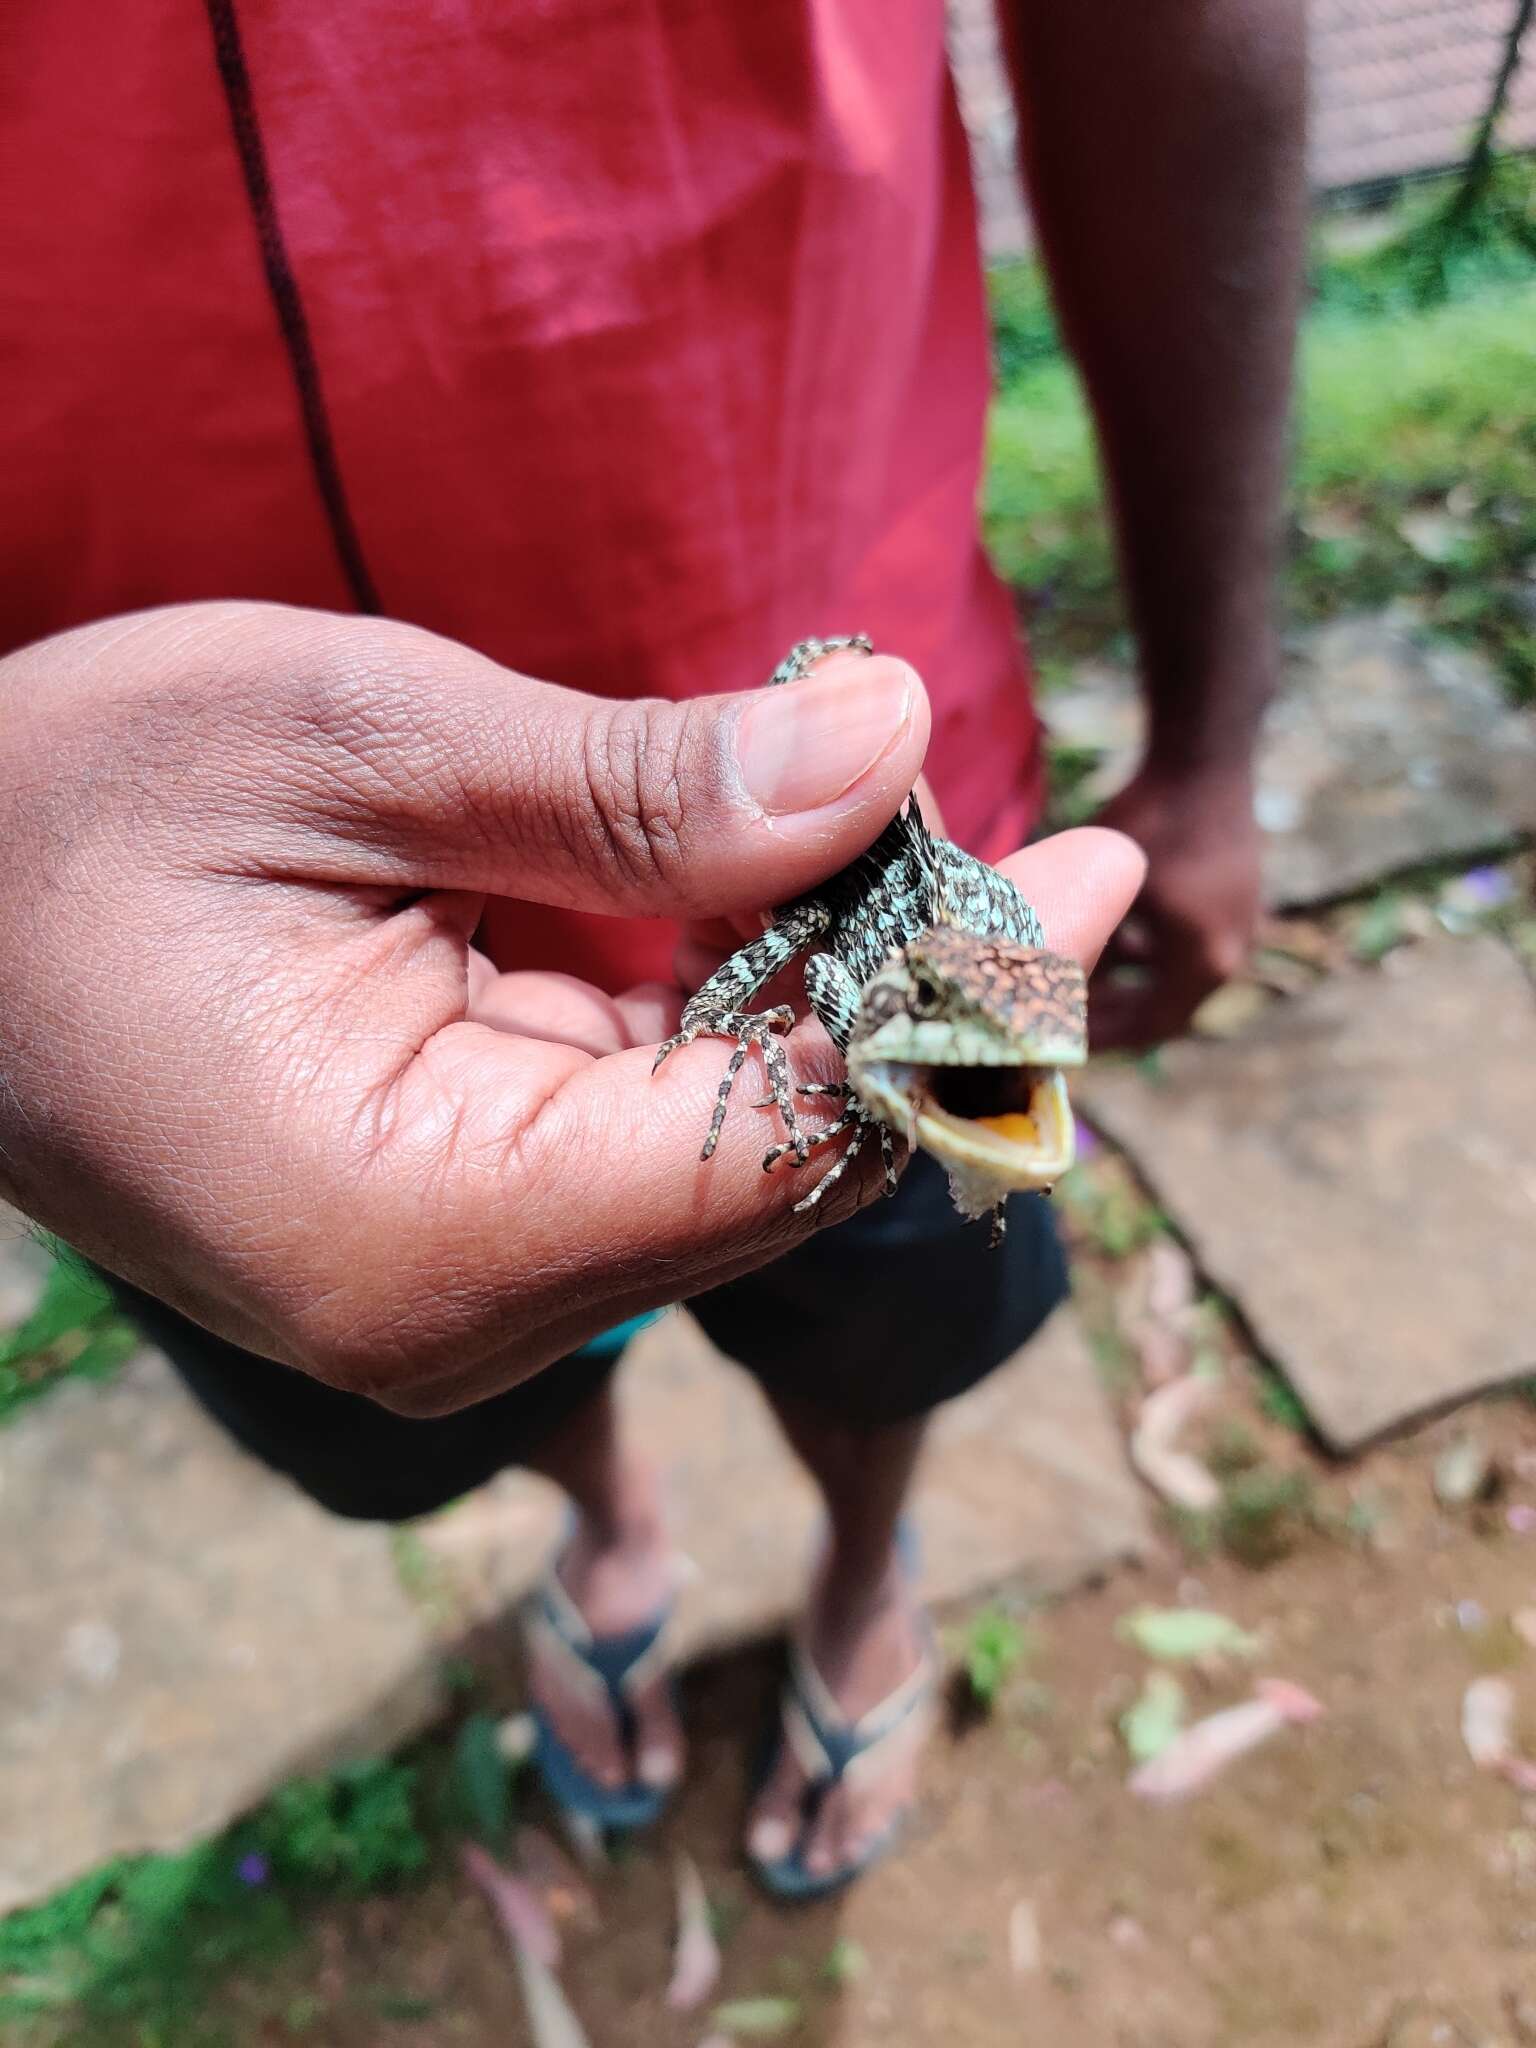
(609,1670)
(832,1750)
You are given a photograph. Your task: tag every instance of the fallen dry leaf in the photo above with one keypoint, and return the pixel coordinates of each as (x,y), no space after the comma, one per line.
(1186,1635)
(1170,1280)
(1025,1953)
(1178,1477)
(1202,1752)
(1488,1730)
(1463,1473)
(551,2023)
(696,1959)
(516,1905)
(1154,1718)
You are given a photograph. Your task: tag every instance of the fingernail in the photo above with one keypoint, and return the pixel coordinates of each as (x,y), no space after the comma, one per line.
(803,745)
(657,1768)
(770,1840)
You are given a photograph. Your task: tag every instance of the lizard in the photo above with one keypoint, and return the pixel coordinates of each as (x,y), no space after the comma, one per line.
(930,973)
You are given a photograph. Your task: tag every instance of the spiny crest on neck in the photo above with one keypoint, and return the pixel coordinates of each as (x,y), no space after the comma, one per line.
(945,910)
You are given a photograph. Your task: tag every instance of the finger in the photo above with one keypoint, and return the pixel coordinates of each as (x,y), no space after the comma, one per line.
(553,1196)
(722,934)
(413,760)
(928,804)
(1081,883)
(727,933)
(546,1005)
(651,1012)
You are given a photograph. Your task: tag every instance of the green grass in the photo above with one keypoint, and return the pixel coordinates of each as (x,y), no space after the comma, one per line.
(73,1331)
(1431,252)
(1400,408)
(129,1953)
(995,1646)
(128,1956)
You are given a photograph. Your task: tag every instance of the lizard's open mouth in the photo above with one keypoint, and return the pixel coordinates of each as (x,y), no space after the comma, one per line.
(1011,1125)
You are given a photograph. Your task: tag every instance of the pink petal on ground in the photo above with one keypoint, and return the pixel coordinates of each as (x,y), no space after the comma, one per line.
(1170,1280)
(551,2023)
(517,1906)
(1488,1722)
(1178,1477)
(1202,1752)
(1161,1352)
(1294,1702)
(696,1959)
(1026,1951)
(1488,1730)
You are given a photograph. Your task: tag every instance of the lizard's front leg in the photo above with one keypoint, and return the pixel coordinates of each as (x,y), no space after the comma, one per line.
(719,1010)
(834,996)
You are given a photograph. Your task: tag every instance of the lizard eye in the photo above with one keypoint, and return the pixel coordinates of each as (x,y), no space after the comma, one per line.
(926,998)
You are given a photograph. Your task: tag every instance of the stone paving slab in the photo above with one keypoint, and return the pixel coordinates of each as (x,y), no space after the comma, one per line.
(1357,1170)
(1381,754)
(1026,1480)
(182,1630)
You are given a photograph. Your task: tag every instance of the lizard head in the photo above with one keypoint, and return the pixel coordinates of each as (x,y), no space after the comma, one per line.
(960,1042)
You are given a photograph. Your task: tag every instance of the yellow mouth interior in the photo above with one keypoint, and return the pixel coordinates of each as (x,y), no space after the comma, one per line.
(1016,1129)
(1016,1149)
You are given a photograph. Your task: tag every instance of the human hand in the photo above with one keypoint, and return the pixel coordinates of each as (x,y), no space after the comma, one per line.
(253,1063)
(1193,923)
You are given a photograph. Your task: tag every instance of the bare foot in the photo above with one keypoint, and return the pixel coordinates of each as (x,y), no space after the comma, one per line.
(864,1644)
(619,1575)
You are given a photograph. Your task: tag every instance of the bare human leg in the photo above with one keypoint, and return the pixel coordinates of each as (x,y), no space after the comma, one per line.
(619,1568)
(862,1632)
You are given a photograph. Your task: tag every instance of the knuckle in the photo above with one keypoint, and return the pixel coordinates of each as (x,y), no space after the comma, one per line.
(635,783)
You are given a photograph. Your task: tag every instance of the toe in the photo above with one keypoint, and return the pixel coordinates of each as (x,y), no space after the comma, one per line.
(825,1842)
(658,1739)
(858,1815)
(877,1805)
(585,1725)
(774,1824)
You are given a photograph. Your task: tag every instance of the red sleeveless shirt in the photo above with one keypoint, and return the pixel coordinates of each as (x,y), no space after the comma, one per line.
(627,343)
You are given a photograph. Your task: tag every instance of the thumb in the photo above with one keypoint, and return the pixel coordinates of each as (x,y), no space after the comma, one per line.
(436,768)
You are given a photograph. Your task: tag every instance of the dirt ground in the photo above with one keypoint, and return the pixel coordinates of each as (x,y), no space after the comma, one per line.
(1355,1884)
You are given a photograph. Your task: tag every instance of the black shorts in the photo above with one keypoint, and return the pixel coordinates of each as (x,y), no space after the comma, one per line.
(877,1320)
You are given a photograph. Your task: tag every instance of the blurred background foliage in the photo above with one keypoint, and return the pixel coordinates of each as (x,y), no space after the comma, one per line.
(1415,465)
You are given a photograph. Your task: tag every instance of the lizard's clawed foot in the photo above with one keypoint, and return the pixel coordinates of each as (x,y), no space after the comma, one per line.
(854,1118)
(748,1028)
(862,1126)
(814,1143)
(838,1088)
